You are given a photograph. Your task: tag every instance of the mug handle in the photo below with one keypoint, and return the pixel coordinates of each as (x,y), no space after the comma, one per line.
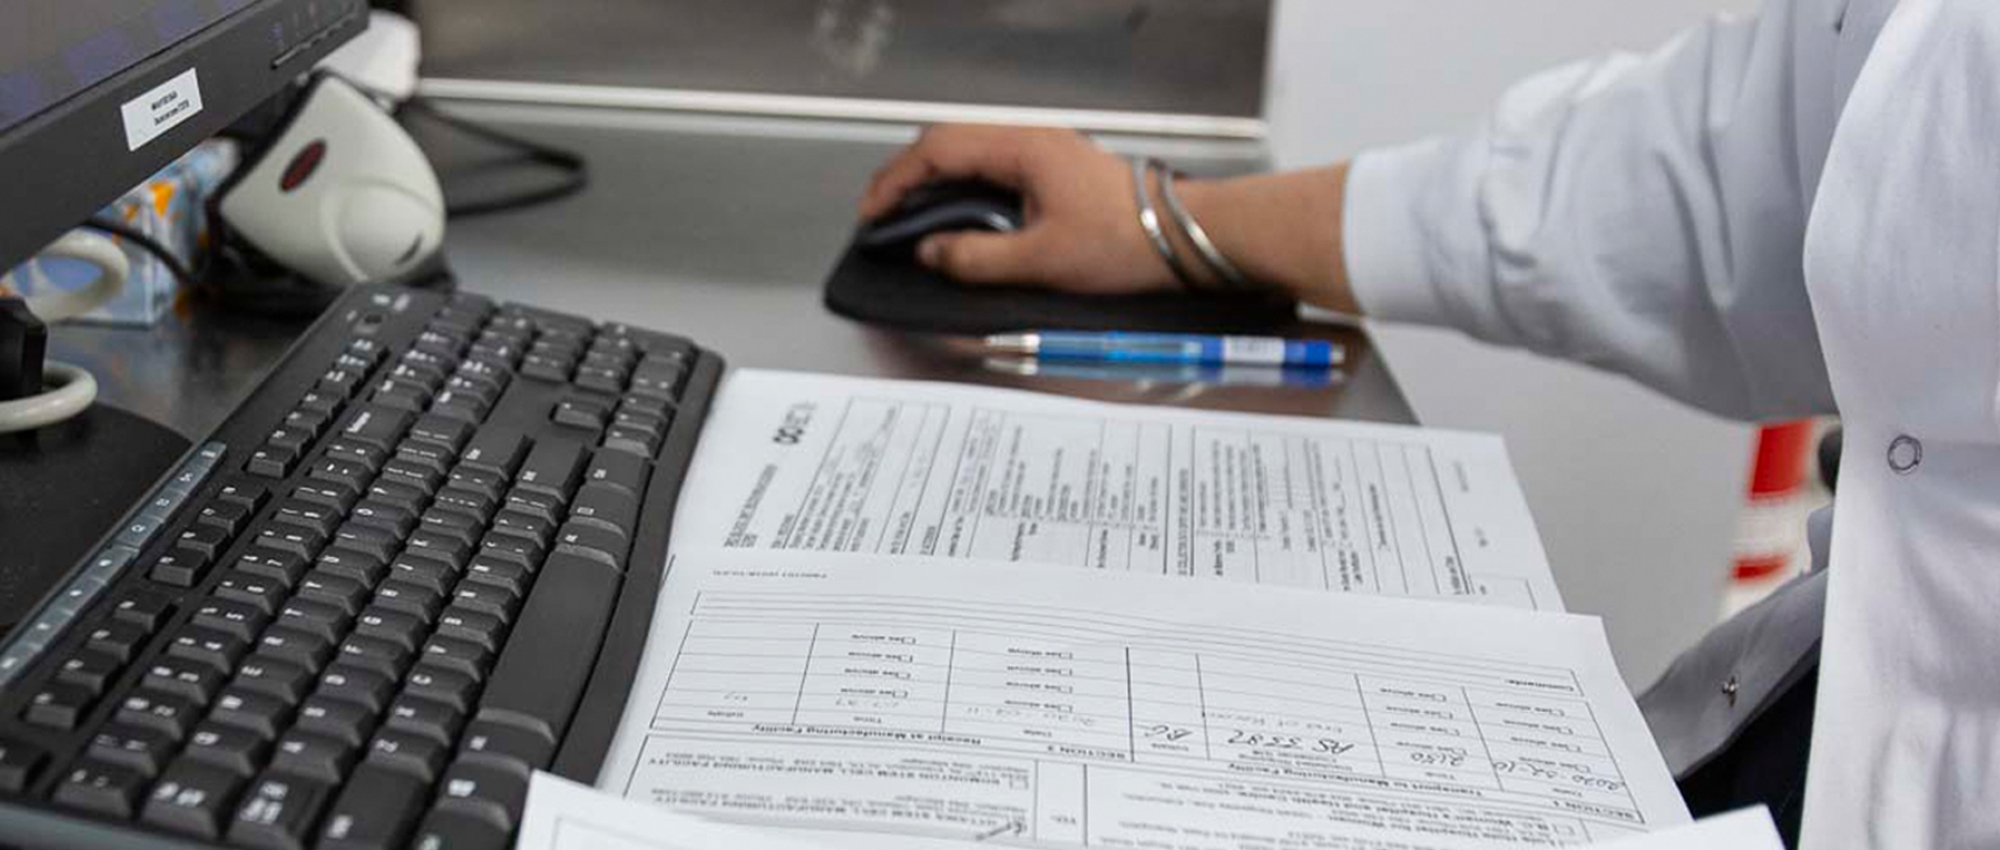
(96,250)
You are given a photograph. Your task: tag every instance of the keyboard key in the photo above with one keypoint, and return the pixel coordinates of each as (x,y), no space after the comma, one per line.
(339,591)
(399,495)
(512,549)
(599,379)
(390,518)
(382,657)
(320,518)
(105,789)
(352,476)
(539,505)
(619,470)
(418,475)
(497,787)
(317,617)
(480,627)
(19,762)
(361,686)
(271,461)
(179,566)
(192,798)
(581,413)
(59,706)
(494,740)
(524,525)
(428,573)
(506,575)
(244,494)
(457,525)
(409,598)
(424,717)
(341,721)
(486,598)
(552,467)
(484,482)
(205,539)
(436,458)
(441,547)
(260,714)
(446,431)
(143,609)
(297,646)
(397,627)
(227,516)
(608,507)
(376,810)
(375,425)
(314,756)
(336,496)
(242,603)
(495,449)
(277,812)
(237,751)
(416,755)
(193,681)
(595,542)
(360,454)
(367,539)
(457,655)
(303,542)
(89,669)
(279,565)
(273,677)
(217,650)
(364,567)
(117,639)
(449,828)
(168,714)
(540,675)
(134,747)
(445,686)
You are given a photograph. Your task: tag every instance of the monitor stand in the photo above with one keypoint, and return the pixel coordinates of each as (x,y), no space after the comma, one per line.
(63,487)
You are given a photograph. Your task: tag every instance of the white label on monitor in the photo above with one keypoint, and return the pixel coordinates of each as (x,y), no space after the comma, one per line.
(151,114)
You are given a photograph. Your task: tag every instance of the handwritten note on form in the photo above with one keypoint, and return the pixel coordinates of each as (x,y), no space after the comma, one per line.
(1066,707)
(824,463)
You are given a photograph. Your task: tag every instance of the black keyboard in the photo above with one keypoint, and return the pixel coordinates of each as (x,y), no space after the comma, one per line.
(418,563)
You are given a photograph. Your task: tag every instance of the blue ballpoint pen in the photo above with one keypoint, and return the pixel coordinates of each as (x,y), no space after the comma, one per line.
(1120,346)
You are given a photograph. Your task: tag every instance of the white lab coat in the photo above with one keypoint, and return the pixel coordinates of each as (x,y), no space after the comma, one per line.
(1793,214)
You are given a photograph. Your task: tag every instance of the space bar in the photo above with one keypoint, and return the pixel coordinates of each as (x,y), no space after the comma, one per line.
(553,647)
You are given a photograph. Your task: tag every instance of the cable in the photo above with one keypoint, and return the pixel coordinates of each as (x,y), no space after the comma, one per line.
(74,390)
(175,267)
(577,169)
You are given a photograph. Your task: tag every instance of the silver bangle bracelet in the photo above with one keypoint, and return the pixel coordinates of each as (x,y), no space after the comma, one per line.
(1149,221)
(1231,276)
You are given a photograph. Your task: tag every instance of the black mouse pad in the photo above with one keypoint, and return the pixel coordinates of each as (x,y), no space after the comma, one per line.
(900,294)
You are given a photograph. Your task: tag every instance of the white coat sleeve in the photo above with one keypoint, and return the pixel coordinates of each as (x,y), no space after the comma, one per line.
(1642,214)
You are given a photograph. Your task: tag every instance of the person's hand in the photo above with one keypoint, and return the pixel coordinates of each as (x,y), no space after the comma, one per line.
(1081,230)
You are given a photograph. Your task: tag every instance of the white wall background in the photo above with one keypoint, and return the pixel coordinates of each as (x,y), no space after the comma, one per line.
(1636,496)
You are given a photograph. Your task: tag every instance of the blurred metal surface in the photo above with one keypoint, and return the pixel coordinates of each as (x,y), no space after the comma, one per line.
(1198,57)
(187,372)
(724,229)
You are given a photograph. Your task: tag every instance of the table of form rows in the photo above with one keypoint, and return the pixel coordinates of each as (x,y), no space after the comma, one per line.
(1253,504)
(1085,686)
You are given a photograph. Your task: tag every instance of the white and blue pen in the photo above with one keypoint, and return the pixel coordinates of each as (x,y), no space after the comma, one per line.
(1120,346)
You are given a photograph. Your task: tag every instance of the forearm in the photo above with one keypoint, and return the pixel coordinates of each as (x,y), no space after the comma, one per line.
(1282,230)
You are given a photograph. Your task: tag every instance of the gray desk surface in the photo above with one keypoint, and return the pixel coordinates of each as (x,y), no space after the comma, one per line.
(720,229)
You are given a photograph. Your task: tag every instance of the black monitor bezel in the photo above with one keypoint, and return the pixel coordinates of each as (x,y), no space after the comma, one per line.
(62,165)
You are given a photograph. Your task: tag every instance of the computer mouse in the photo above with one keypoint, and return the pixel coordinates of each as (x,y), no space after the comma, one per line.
(940,207)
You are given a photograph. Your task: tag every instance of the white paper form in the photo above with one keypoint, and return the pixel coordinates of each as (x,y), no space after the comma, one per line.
(826,463)
(1068,708)
(563,815)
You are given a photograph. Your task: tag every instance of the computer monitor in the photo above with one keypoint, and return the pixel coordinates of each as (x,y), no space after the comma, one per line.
(96,95)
